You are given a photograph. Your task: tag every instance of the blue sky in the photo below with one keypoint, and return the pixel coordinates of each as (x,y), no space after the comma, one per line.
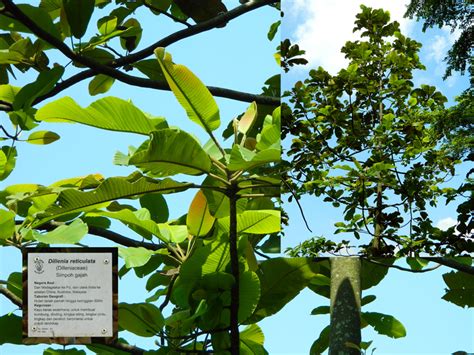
(240,57)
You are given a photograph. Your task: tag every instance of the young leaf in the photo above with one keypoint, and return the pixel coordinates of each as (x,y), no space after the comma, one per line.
(248,119)
(191,93)
(78,13)
(42,137)
(100,84)
(199,220)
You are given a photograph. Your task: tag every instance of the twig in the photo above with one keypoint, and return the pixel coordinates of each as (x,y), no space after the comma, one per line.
(167,14)
(298,203)
(11,296)
(261,254)
(168,293)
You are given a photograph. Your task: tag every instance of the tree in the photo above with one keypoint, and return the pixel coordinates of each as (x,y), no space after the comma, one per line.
(368,140)
(202,265)
(456,14)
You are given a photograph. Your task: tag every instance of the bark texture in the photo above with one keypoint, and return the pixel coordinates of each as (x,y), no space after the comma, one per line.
(345,305)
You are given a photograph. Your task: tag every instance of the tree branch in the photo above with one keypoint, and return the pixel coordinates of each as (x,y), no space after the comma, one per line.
(194,30)
(110,70)
(451,263)
(110,235)
(11,296)
(400,267)
(128,348)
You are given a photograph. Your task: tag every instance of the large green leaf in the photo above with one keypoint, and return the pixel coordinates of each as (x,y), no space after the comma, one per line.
(42,85)
(206,10)
(8,93)
(251,341)
(214,257)
(254,222)
(135,257)
(7,224)
(151,68)
(461,288)
(110,113)
(11,326)
(15,284)
(384,324)
(73,201)
(249,294)
(78,13)
(100,84)
(156,204)
(191,93)
(244,159)
(199,220)
(372,274)
(7,161)
(171,152)
(142,319)
(281,279)
(322,343)
(65,234)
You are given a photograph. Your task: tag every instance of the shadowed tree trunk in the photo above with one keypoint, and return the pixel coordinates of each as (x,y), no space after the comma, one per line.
(345,305)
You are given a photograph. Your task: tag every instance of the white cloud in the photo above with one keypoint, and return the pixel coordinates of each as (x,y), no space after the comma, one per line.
(446,223)
(438,48)
(327,24)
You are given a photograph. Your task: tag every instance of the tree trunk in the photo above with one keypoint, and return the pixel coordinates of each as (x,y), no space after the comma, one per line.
(345,305)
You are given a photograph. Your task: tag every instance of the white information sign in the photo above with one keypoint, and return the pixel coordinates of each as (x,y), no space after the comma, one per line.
(70,294)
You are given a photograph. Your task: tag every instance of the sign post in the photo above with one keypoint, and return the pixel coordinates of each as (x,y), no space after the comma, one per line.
(70,295)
